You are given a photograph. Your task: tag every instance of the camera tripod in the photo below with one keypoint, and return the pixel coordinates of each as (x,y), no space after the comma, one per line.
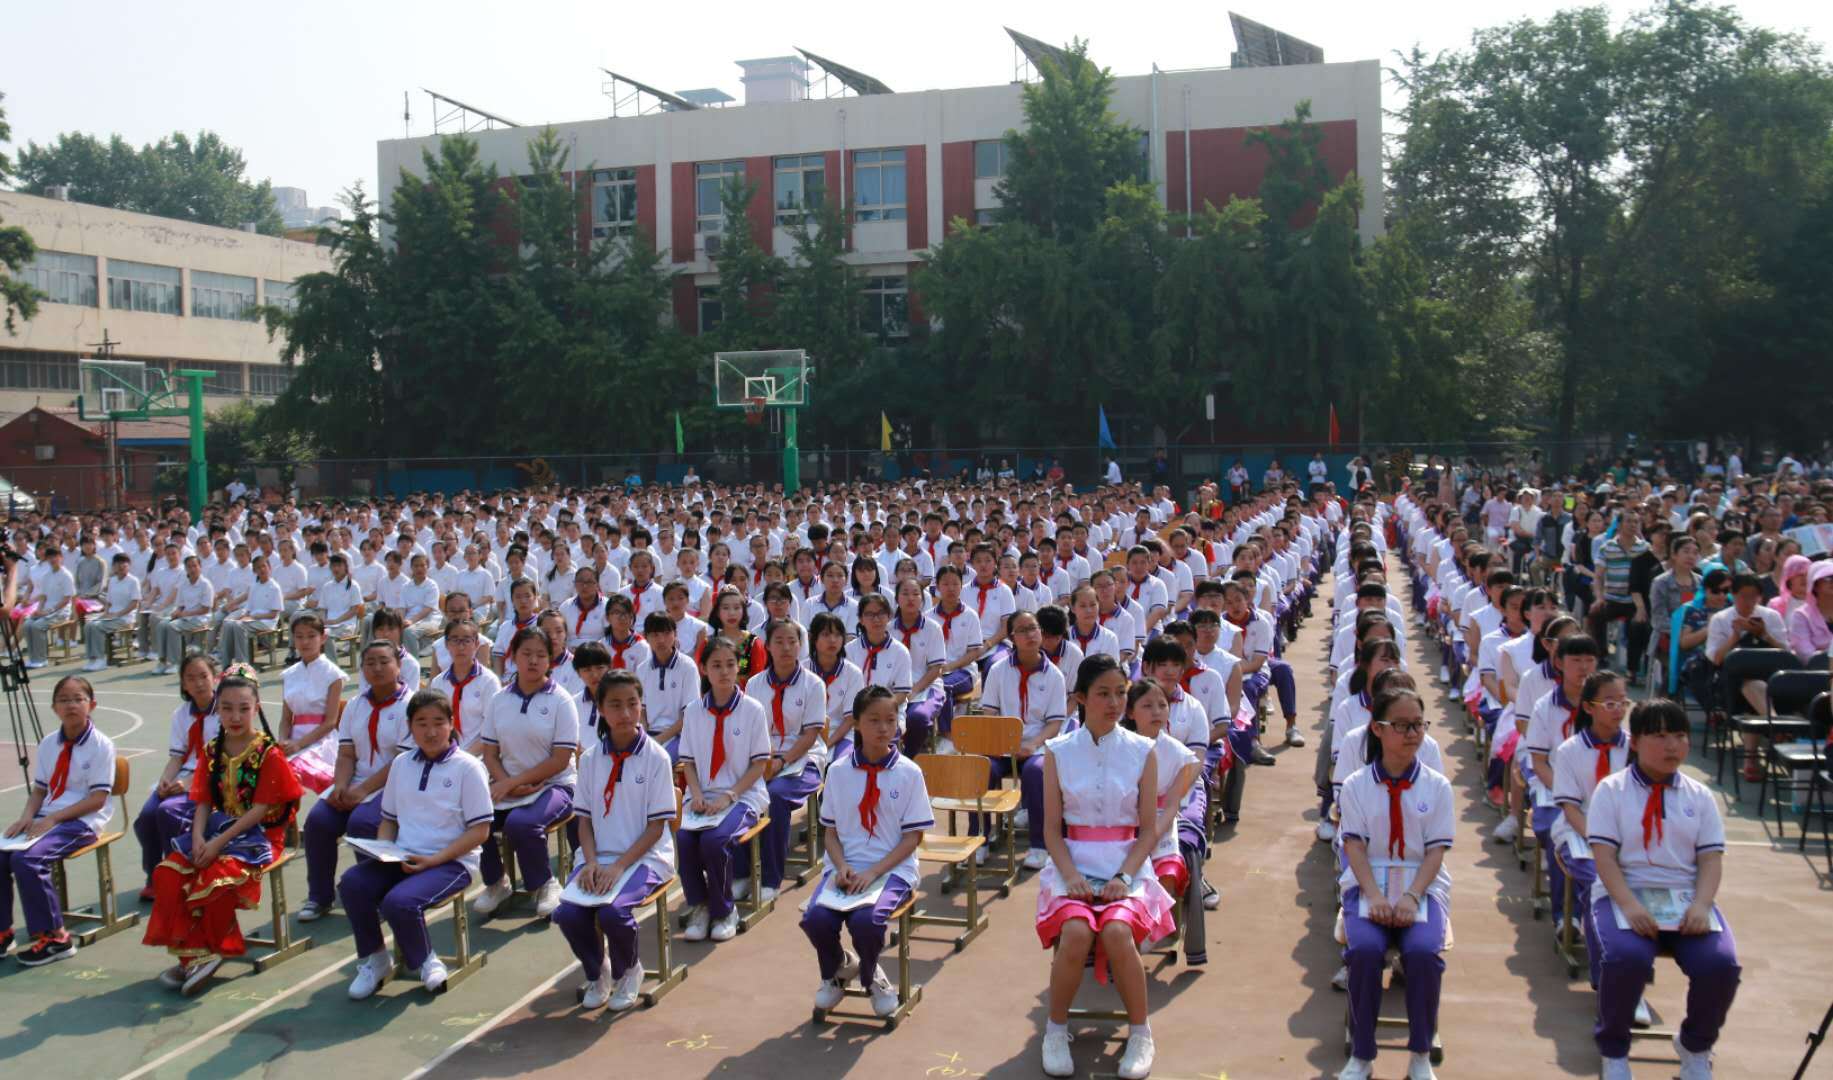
(15,683)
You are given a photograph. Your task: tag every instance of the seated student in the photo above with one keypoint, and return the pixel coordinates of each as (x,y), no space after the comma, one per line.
(875,813)
(121,603)
(882,660)
(731,615)
(840,677)
(832,598)
(1372,658)
(1652,827)
(524,609)
(373,730)
(590,662)
(457,606)
(930,707)
(420,604)
(725,744)
(562,668)
(584,611)
(1260,669)
(68,806)
(1598,747)
(312,691)
(530,734)
(669,681)
(194,597)
(465,681)
(436,806)
(796,702)
(167,812)
(961,640)
(339,601)
(1353,745)
(1024,683)
(1179,838)
(388,626)
(244,796)
(260,610)
(626,846)
(1091,896)
(1552,722)
(1053,621)
(1398,820)
(627,647)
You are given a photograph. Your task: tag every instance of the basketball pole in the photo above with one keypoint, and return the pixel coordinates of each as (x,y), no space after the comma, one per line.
(792,459)
(196,481)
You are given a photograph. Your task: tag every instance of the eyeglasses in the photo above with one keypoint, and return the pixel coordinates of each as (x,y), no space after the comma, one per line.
(1610,704)
(1408,728)
(69,701)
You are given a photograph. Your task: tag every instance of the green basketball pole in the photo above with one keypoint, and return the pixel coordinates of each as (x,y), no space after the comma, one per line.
(197,483)
(792,459)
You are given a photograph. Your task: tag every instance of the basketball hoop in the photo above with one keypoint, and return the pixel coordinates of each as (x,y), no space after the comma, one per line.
(754,411)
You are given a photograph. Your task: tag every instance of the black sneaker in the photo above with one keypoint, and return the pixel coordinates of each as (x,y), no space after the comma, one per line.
(1261,757)
(48,949)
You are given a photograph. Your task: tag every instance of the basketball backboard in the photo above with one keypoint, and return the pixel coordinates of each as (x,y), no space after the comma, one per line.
(775,378)
(111,388)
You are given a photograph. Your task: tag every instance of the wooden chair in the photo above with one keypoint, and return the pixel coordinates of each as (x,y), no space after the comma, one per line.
(280,942)
(991,737)
(267,641)
(753,908)
(1528,856)
(1569,945)
(191,641)
(123,640)
(964,778)
(1437,1053)
(463,963)
(105,914)
(804,861)
(563,853)
(64,635)
(907,995)
(667,974)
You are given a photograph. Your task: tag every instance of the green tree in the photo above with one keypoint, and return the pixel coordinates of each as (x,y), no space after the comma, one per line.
(16,249)
(243,433)
(1072,149)
(201,179)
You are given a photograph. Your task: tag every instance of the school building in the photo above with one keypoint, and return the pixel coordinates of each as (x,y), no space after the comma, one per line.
(910,164)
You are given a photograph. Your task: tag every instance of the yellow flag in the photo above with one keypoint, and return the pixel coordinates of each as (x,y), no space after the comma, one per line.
(884,432)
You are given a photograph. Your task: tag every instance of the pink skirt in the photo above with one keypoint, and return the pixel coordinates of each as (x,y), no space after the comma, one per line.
(311,765)
(1172,867)
(1148,915)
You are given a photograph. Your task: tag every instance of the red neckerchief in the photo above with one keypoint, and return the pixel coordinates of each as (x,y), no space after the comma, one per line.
(1604,749)
(617,651)
(827,679)
(60,773)
(1654,811)
(636,600)
(1189,674)
(617,766)
(872,652)
(1044,574)
(1138,585)
(777,690)
(194,740)
(868,802)
(1396,821)
(375,713)
(719,730)
(579,624)
(980,607)
(907,632)
(1565,728)
(1024,685)
(948,620)
(458,695)
(1241,623)
(1082,642)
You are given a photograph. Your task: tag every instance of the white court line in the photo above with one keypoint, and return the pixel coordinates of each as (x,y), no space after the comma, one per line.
(479,1031)
(139,722)
(262,1006)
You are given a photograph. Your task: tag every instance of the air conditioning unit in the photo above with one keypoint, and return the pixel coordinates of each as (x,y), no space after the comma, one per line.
(712,243)
(44,452)
(114,399)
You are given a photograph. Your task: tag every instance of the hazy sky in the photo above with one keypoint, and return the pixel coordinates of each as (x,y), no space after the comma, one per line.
(306,89)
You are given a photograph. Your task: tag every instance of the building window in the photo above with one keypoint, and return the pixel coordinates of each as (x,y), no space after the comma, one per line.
(986,217)
(280,294)
(136,286)
(710,312)
(710,181)
(225,379)
(801,183)
(990,159)
(887,310)
(63,278)
(268,380)
(222,296)
(613,202)
(30,369)
(878,182)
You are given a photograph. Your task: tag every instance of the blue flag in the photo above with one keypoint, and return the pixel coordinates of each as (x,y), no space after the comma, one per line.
(1106,437)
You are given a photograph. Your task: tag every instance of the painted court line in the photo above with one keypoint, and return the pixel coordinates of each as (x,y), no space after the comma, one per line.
(480,1030)
(139,722)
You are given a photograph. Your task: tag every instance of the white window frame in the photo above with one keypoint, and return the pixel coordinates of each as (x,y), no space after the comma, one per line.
(881,164)
(218,296)
(60,275)
(703,296)
(158,295)
(624,182)
(723,173)
(877,291)
(1004,151)
(790,175)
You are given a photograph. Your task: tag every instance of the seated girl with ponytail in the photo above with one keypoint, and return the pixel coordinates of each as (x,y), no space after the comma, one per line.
(1599,746)
(1179,838)
(244,795)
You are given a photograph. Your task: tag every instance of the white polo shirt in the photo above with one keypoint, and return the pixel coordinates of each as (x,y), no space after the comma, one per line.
(923,641)
(527,730)
(420,594)
(960,631)
(842,686)
(1575,775)
(803,705)
(470,702)
(888,665)
(583,626)
(1428,820)
(667,688)
(338,599)
(644,600)
(179,743)
(1106,639)
(747,740)
(1351,754)
(1128,631)
(1550,724)
(991,604)
(433,801)
(1668,858)
(1148,593)
(92,769)
(644,793)
(1189,724)
(1038,700)
(846,609)
(390,737)
(120,593)
(903,807)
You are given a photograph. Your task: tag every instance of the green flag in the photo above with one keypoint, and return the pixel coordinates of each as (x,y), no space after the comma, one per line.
(680,443)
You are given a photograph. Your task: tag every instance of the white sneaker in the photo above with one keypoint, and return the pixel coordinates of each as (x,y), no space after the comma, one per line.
(1136,1062)
(312,911)
(1616,1069)
(1357,1069)
(199,971)
(1058,1061)
(34,665)
(1036,859)
(547,897)
(371,974)
(1693,1066)
(598,991)
(1340,981)
(1212,899)
(433,974)
(161,669)
(884,995)
(1326,831)
(1644,1018)
(96,665)
(1021,819)
(629,989)
(1507,831)
(983,853)
(849,967)
(945,746)
(767,895)
(1294,737)
(1419,1067)
(493,896)
(830,993)
(726,928)
(696,929)
(741,888)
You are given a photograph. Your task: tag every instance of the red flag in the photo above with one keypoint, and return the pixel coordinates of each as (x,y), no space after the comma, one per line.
(1336,432)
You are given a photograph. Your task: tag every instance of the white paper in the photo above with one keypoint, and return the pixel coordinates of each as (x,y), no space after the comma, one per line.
(1543,799)
(833,898)
(692,821)
(1577,847)
(18,843)
(380,850)
(1394,885)
(1666,907)
(580,896)
(517,800)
